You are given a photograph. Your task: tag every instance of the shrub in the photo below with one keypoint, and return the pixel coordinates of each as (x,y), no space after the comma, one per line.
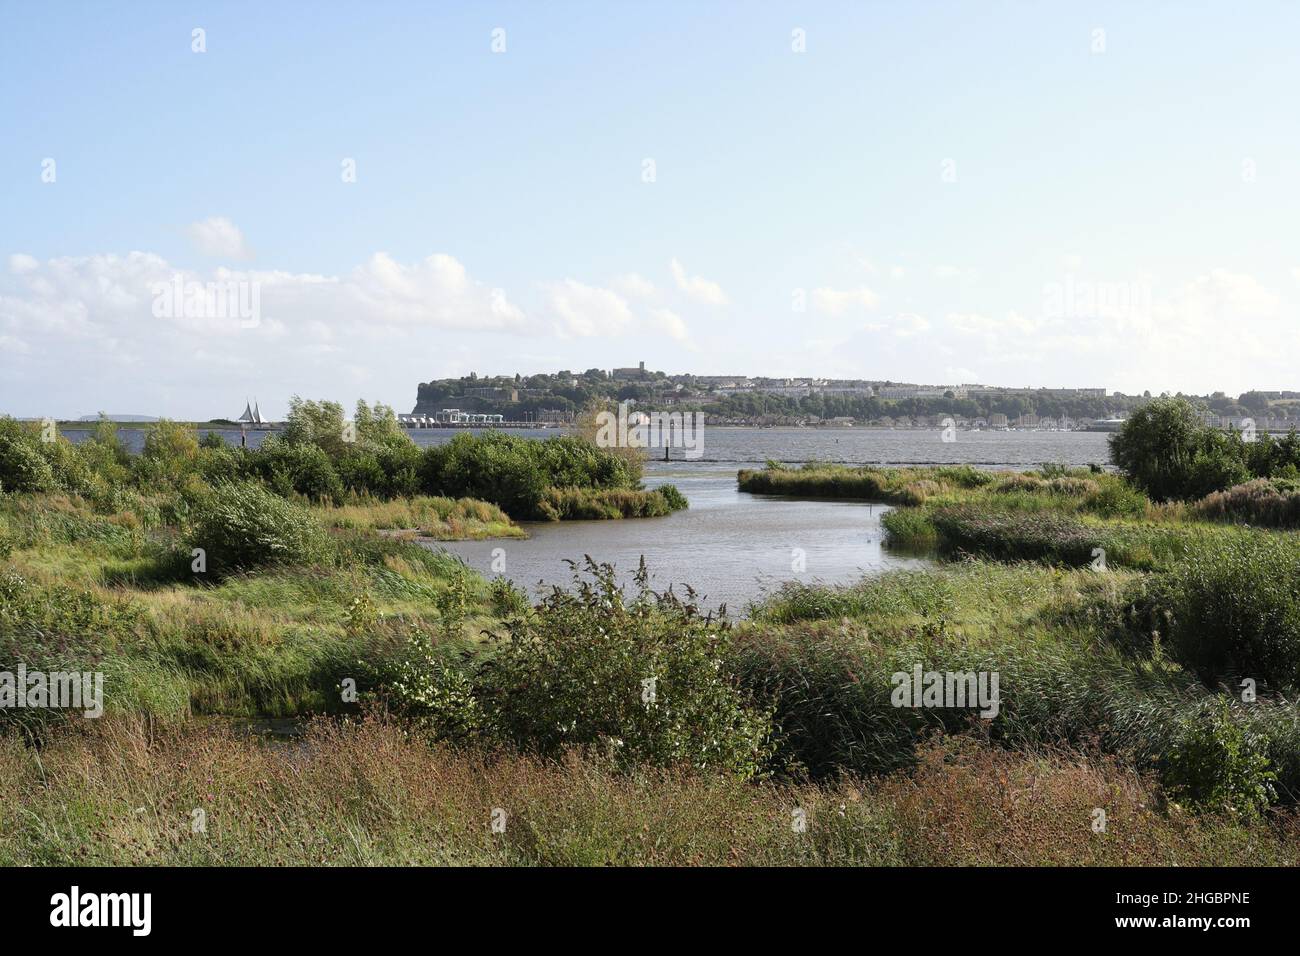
(22,466)
(1156,446)
(1167,451)
(909,526)
(1270,502)
(1020,482)
(297,468)
(246,525)
(642,680)
(916,492)
(1217,765)
(1116,498)
(170,451)
(432,687)
(675,499)
(593,503)
(1236,609)
(1072,487)
(507,600)
(516,473)
(964,476)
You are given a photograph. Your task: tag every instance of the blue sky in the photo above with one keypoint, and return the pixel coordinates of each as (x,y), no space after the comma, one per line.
(1011,193)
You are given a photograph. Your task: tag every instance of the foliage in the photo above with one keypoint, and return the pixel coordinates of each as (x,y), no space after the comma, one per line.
(516,473)
(1235,609)
(1273,503)
(643,681)
(1216,765)
(244,525)
(1168,452)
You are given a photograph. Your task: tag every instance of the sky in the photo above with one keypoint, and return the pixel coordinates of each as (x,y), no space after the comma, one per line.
(1064,194)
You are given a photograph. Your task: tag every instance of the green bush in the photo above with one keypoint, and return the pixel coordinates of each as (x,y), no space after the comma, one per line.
(1235,609)
(22,466)
(536,479)
(608,503)
(642,681)
(433,687)
(1218,765)
(1168,452)
(245,525)
(675,499)
(1116,498)
(297,468)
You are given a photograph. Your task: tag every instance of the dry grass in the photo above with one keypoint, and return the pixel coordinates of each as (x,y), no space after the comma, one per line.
(444,519)
(122,792)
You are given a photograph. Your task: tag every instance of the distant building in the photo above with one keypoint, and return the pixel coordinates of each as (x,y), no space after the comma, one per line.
(629,374)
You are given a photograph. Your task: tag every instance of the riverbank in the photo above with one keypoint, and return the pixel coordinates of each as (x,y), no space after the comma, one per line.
(1026,668)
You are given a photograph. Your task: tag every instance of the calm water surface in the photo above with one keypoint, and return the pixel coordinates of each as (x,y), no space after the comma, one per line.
(731,547)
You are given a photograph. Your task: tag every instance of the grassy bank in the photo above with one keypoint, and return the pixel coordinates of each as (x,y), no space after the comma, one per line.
(442,519)
(117,592)
(621,725)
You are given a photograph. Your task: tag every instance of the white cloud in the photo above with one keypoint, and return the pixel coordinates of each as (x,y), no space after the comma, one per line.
(955,272)
(838,301)
(22,264)
(218,238)
(584,310)
(634,286)
(698,288)
(436,292)
(670,323)
(109,326)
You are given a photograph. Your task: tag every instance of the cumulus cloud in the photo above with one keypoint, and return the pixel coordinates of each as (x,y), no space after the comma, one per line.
(584,310)
(218,238)
(839,301)
(437,292)
(115,326)
(634,286)
(669,323)
(697,287)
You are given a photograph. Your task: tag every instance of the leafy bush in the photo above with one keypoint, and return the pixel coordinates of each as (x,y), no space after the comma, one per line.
(434,688)
(170,451)
(643,680)
(588,503)
(675,499)
(297,468)
(1116,498)
(1217,765)
(22,466)
(1168,452)
(516,473)
(246,525)
(1236,609)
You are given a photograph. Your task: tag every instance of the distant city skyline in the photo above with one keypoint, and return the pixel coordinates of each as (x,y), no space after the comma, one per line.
(203,204)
